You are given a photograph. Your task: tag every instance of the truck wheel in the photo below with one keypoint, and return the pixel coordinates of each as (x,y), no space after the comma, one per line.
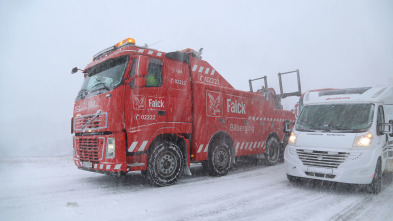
(376,184)
(272,153)
(165,164)
(219,160)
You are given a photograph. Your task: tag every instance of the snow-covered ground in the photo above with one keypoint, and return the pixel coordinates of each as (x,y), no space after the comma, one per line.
(51,188)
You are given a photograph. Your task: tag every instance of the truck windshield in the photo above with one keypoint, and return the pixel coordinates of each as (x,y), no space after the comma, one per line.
(349,118)
(103,77)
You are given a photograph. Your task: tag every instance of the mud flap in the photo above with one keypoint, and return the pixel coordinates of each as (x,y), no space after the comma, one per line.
(187,170)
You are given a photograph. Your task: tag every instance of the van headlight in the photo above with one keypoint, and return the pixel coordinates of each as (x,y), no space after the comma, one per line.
(292,138)
(110,148)
(363,140)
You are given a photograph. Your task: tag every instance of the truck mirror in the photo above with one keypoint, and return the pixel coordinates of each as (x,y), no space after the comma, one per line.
(142,66)
(140,82)
(74,70)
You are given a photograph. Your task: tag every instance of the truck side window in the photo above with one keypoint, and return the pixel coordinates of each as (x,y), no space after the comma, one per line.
(132,72)
(154,75)
(380,119)
(133,68)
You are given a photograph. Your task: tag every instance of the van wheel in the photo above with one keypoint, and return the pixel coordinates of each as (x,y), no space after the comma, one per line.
(272,153)
(219,160)
(376,184)
(165,164)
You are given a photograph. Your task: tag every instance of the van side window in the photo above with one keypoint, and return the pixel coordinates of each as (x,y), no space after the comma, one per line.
(380,119)
(154,75)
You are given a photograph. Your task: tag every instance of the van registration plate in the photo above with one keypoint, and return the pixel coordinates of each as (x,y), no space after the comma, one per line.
(320,170)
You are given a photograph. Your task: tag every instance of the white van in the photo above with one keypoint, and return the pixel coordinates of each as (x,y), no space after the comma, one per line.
(343,136)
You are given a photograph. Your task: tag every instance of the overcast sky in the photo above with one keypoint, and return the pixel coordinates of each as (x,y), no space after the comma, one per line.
(333,43)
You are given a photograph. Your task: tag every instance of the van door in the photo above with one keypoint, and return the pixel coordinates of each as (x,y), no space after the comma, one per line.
(388,118)
(382,139)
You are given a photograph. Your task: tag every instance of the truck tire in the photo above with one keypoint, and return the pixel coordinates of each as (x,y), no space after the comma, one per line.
(219,159)
(376,184)
(165,164)
(272,152)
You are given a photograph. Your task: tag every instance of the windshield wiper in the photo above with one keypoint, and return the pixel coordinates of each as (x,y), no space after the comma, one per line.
(101,83)
(303,126)
(340,128)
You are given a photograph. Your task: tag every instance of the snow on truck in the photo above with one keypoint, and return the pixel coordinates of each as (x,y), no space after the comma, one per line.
(343,135)
(140,109)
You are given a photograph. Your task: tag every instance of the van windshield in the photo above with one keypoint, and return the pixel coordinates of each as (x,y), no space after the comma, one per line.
(350,118)
(103,77)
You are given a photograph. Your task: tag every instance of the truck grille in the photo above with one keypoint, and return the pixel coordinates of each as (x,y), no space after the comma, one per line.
(91,122)
(322,158)
(90,149)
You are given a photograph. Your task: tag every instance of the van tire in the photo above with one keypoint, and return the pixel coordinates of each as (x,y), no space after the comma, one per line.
(376,184)
(272,152)
(165,164)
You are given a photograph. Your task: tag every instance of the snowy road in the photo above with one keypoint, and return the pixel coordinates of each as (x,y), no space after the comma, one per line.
(51,188)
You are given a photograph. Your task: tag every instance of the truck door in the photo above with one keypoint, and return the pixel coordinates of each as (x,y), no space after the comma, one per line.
(147,104)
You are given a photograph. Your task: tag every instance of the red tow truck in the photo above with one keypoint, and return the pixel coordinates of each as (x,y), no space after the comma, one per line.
(140,109)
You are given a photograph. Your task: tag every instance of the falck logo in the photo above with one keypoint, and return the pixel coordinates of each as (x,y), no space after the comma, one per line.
(139,102)
(213,104)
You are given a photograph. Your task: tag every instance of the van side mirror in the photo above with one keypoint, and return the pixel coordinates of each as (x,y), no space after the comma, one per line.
(142,66)
(288,126)
(140,82)
(386,128)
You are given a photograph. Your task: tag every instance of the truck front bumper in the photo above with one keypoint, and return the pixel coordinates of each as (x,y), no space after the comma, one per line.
(90,153)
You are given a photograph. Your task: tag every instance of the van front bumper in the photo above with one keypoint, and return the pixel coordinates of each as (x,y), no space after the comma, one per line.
(345,166)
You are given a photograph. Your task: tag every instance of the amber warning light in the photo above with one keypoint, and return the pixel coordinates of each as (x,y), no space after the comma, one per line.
(125,41)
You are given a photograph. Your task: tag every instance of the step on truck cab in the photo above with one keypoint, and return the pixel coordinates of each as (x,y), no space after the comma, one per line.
(343,135)
(140,109)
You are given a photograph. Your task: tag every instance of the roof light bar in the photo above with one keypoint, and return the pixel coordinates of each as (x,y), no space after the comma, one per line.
(125,42)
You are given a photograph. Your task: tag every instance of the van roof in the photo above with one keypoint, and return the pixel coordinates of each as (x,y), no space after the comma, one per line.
(351,95)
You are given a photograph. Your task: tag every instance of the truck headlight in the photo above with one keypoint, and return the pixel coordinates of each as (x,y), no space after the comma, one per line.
(363,140)
(110,148)
(292,138)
